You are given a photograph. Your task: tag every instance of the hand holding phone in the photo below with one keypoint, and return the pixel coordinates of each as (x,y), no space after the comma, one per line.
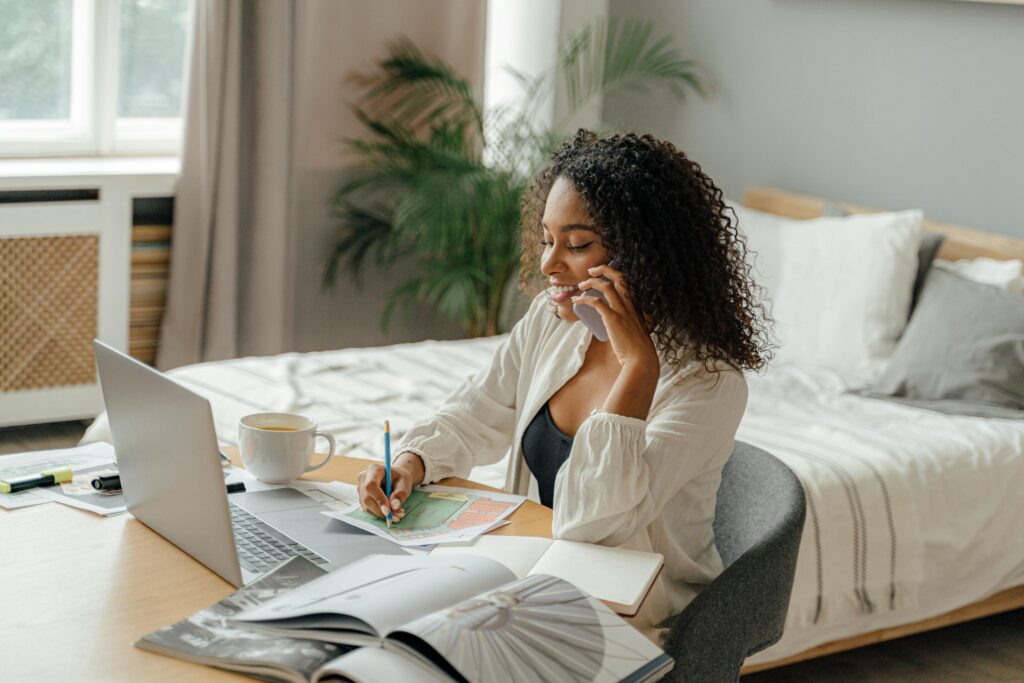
(590,316)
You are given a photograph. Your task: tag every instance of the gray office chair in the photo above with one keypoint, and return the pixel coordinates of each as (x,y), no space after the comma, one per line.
(759,517)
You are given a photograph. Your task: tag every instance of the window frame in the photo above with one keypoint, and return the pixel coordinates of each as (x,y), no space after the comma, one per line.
(93,127)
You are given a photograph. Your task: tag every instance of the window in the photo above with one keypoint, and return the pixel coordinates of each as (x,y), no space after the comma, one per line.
(92,76)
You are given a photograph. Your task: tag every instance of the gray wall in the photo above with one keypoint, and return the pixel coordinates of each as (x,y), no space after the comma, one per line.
(888,103)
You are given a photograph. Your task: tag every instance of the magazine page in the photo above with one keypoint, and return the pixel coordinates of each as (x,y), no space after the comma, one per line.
(533,630)
(382,591)
(518,553)
(374,665)
(210,637)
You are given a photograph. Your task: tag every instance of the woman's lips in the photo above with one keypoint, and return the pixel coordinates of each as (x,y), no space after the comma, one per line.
(559,294)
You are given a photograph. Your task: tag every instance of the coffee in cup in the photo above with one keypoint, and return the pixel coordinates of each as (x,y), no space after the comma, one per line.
(278,447)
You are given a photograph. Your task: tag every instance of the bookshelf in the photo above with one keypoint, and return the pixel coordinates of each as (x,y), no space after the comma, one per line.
(150,270)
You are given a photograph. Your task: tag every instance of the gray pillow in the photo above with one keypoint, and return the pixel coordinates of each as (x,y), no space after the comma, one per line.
(931,242)
(962,351)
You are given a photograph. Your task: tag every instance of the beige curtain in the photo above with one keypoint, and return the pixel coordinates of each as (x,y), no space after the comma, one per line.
(230,289)
(265,117)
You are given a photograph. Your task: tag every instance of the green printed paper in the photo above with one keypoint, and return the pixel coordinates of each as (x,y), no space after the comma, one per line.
(433,514)
(423,510)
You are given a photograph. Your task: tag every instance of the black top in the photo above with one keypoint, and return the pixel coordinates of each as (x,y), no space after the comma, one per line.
(545,448)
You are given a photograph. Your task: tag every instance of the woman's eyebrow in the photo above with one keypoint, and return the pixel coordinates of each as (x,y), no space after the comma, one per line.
(572,226)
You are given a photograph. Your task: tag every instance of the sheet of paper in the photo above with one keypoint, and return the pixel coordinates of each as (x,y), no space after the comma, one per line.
(438,514)
(385,591)
(625,574)
(79,493)
(518,553)
(23,464)
(376,665)
(335,495)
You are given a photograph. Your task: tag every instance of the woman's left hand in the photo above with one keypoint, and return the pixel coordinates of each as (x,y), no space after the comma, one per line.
(627,332)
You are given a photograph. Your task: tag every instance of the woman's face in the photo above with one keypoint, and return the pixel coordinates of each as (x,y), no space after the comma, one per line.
(571,246)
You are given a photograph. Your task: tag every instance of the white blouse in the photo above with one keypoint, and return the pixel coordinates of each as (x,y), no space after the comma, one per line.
(642,484)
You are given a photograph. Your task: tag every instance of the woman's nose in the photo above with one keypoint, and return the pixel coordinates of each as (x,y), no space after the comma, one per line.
(550,263)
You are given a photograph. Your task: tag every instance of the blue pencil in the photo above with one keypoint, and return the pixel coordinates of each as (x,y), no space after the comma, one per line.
(387,466)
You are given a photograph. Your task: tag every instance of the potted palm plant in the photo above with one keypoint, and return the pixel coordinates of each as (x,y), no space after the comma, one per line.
(439,180)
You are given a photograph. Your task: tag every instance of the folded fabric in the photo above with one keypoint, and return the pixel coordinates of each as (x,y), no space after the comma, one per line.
(1008,275)
(962,352)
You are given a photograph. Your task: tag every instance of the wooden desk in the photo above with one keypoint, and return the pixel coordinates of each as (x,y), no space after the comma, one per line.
(77,589)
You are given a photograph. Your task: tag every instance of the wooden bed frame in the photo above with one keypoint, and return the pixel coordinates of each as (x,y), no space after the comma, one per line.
(960,243)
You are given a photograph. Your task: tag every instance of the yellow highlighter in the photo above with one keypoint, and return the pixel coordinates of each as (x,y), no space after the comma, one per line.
(58,475)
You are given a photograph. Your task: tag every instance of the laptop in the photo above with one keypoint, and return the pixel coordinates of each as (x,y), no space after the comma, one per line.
(173,482)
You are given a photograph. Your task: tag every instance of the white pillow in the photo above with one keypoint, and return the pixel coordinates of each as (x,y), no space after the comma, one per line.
(763,232)
(844,297)
(840,287)
(1008,275)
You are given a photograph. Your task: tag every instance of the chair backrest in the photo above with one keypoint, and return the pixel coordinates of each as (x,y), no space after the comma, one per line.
(759,518)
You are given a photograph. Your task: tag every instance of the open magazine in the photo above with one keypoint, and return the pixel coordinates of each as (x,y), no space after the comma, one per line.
(459,618)
(465,616)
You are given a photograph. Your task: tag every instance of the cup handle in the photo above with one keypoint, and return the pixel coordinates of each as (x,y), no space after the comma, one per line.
(330,440)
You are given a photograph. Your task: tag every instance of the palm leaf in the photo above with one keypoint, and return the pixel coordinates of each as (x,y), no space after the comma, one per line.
(422,88)
(608,55)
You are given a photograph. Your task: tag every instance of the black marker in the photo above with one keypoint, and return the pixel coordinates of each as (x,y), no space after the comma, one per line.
(112,482)
(106,482)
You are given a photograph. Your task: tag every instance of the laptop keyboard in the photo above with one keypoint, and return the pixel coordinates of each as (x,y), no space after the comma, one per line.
(261,547)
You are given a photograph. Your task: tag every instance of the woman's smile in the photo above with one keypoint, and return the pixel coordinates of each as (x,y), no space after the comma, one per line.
(561,293)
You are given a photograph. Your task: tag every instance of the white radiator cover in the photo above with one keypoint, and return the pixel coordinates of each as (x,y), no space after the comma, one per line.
(65,269)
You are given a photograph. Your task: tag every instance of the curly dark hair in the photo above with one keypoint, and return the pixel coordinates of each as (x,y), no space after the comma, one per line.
(672,236)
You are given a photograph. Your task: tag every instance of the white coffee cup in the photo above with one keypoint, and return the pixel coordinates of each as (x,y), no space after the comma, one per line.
(278,447)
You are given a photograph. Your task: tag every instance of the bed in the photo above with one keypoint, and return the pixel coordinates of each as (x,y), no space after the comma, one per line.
(913,515)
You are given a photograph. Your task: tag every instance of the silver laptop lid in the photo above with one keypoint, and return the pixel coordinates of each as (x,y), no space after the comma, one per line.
(168,459)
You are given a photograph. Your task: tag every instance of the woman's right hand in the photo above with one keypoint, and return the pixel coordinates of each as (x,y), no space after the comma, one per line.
(405,475)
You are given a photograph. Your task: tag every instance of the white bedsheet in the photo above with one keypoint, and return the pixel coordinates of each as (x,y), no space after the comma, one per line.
(911,513)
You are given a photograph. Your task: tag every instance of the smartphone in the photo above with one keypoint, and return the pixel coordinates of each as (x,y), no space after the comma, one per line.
(589,316)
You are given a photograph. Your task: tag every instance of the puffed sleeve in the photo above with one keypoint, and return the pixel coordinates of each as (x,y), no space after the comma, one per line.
(622,471)
(476,423)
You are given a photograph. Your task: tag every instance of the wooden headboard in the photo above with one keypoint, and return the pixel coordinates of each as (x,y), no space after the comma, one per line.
(960,243)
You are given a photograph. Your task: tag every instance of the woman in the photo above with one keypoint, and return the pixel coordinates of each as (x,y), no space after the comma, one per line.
(626,439)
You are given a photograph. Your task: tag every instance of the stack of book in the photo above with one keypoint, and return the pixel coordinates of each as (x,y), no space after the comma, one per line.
(151,259)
